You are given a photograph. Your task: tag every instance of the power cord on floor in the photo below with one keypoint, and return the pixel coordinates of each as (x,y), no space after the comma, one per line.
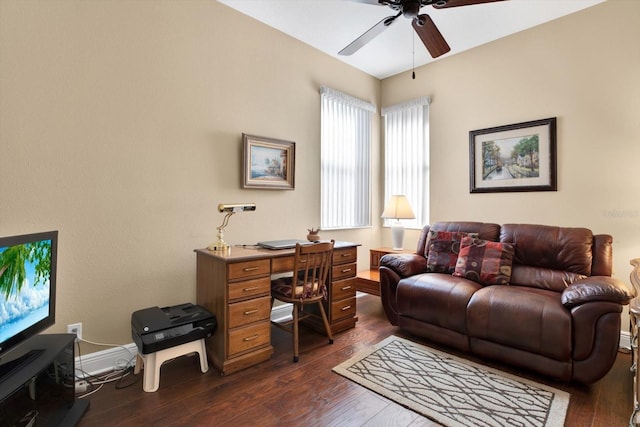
(123,368)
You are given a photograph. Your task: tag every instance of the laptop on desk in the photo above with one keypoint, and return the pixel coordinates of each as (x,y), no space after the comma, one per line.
(281,244)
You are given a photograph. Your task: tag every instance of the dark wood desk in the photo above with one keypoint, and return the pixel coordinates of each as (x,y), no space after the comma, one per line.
(236,287)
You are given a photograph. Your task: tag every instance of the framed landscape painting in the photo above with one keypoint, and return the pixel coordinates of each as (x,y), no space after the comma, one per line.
(268,163)
(517,157)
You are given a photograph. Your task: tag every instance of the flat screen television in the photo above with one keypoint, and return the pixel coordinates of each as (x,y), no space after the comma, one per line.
(27,288)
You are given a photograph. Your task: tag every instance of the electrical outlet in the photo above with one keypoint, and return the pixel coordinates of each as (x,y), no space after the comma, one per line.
(75,328)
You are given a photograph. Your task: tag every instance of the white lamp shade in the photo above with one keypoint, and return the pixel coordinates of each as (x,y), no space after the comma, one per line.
(398,207)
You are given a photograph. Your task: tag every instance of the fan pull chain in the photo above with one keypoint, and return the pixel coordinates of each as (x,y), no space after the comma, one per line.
(413,56)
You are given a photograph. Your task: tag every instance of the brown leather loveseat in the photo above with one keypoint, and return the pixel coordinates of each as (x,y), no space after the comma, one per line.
(542,298)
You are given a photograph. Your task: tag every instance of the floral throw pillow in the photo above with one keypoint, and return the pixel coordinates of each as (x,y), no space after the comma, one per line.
(485,262)
(444,247)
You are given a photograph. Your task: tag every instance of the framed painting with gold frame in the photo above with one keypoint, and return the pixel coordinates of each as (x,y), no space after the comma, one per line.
(268,163)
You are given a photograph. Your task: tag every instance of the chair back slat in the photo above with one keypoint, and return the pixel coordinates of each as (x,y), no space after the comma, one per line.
(312,263)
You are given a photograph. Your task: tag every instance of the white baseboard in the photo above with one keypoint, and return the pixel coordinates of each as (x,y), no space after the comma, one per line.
(104,361)
(281,312)
(107,360)
(625,340)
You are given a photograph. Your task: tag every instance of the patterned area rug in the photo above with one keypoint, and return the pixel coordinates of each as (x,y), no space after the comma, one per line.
(453,391)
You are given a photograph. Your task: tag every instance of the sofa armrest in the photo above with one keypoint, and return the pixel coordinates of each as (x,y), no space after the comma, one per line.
(597,288)
(405,265)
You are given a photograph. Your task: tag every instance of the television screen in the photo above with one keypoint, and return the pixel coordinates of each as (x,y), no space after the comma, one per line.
(27,286)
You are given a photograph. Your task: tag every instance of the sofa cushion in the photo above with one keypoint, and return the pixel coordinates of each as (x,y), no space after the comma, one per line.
(444,247)
(529,319)
(553,248)
(437,299)
(485,262)
(543,278)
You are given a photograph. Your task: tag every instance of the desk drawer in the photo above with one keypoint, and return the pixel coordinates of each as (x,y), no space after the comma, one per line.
(343,256)
(343,309)
(343,289)
(253,310)
(249,288)
(247,269)
(343,271)
(249,337)
(282,264)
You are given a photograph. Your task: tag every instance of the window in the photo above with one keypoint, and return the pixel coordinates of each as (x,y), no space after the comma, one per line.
(345,171)
(406,157)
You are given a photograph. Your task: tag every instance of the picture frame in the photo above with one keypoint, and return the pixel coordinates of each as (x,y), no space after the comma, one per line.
(268,163)
(516,157)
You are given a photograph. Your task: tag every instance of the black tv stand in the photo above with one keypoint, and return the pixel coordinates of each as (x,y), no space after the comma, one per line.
(39,386)
(7,368)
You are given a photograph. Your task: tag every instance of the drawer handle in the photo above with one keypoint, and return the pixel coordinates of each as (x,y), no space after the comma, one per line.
(250,268)
(253,288)
(345,288)
(248,312)
(251,338)
(346,270)
(345,308)
(345,255)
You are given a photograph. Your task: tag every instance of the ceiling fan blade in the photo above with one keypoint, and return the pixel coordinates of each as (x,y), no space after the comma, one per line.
(375,2)
(430,35)
(456,3)
(368,35)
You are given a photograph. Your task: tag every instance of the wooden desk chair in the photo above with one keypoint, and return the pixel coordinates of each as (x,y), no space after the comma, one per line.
(307,286)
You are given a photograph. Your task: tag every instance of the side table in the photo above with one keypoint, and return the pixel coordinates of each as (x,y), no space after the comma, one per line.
(369,280)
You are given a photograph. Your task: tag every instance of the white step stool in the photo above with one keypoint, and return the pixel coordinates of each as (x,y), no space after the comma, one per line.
(153,361)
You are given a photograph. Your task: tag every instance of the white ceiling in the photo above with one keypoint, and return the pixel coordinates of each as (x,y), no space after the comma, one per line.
(330,25)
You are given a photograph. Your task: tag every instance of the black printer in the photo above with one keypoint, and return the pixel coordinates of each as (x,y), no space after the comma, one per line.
(154,328)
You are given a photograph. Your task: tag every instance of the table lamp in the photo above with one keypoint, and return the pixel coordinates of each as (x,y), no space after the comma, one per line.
(398,208)
(221,245)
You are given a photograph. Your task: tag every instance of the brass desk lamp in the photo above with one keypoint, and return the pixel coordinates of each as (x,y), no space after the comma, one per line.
(230,209)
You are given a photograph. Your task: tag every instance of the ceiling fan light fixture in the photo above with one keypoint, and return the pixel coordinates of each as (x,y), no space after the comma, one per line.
(411,8)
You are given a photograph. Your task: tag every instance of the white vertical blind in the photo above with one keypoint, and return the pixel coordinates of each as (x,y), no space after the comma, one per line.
(406,155)
(345,160)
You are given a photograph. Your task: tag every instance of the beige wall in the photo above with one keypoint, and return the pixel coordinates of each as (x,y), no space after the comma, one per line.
(120,126)
(582,69)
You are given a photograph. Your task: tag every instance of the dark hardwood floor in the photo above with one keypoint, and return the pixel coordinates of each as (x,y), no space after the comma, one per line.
(279,392)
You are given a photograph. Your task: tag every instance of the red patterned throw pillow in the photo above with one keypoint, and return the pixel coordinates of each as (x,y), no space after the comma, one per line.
(444,247)
(485,262)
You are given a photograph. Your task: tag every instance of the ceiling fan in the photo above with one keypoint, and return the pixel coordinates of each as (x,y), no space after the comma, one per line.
(422,23)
